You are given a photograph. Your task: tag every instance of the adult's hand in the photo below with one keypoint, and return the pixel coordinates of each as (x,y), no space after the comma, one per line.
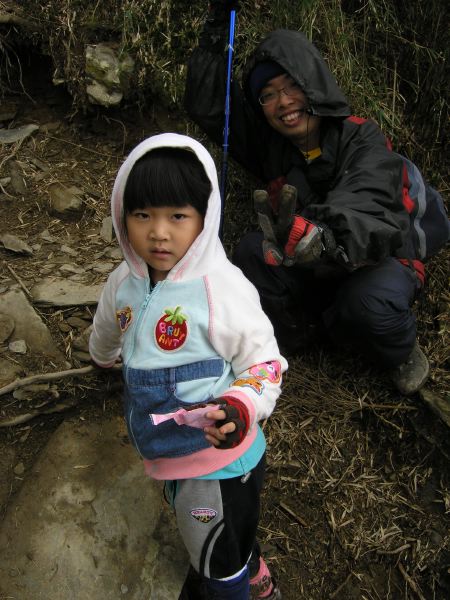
(288,238)
(220,9)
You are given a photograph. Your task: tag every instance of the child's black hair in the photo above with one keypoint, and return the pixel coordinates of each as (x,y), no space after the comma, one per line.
(167,177)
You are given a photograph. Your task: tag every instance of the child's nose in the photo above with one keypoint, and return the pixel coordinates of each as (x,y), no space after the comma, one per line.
(158,231)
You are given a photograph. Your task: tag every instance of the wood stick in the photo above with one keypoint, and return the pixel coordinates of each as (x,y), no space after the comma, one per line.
(19,281)
(412,584)
(23,418)
(291,513)
(18,383)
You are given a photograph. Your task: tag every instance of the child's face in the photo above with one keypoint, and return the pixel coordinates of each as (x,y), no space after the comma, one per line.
(162,236)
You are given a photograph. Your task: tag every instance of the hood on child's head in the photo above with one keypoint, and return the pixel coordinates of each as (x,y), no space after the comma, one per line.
(207,250)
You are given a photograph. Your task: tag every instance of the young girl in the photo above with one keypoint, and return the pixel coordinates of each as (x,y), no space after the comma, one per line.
(200,361)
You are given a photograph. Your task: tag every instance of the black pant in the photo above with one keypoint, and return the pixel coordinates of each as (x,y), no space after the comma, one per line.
(369,308)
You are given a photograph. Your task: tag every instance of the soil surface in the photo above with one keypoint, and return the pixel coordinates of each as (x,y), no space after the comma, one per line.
(357,496)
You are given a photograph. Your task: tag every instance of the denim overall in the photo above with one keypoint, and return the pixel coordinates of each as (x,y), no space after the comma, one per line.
(155,391)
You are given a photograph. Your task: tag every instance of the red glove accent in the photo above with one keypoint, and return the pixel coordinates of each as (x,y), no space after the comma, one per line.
(273,256)
(236,412)
(300,228)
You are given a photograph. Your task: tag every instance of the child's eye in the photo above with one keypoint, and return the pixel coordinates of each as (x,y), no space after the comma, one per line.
(140,215)
(179,216)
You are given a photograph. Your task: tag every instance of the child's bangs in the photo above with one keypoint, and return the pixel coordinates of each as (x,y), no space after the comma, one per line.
(167,177)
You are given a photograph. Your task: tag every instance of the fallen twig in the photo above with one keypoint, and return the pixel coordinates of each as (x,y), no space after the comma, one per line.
(18,383)
(292,514)
(19,419)
(342,586)
(19,281)
(396,551)
(412,584)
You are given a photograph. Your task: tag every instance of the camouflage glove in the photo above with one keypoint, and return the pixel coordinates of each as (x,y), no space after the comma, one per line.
(214,35)
(288,238)
(236,412)
(223,6)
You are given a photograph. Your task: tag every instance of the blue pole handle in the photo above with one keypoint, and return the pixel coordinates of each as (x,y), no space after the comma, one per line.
(227,116)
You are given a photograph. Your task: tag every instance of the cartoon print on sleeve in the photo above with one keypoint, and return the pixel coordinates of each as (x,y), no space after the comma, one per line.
(270,370)
(252,382)
(171,330)
(124,317)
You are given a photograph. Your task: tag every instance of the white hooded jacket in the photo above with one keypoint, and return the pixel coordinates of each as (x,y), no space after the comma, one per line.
(205,309)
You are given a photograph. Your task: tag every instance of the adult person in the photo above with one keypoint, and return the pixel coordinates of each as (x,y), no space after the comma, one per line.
(344,264)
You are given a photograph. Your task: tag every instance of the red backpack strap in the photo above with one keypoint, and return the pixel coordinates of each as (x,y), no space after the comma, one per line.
(415,265)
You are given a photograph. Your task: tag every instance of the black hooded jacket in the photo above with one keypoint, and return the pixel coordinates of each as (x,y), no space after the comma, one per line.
(354,187)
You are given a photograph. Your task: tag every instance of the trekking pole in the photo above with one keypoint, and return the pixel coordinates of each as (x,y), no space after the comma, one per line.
(223,178)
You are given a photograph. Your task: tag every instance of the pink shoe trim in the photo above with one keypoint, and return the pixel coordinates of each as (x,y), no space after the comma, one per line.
(262,581)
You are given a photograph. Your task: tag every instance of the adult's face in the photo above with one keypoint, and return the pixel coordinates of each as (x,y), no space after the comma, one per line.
(284,105)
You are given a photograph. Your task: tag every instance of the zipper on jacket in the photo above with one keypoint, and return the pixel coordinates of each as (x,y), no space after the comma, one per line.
(148,295)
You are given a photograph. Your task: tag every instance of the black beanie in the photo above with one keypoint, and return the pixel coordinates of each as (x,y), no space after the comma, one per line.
(261,74)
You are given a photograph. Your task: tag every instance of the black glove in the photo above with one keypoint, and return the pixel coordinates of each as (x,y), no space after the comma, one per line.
(236,412)
(215,31)
(288,238)
(225,6)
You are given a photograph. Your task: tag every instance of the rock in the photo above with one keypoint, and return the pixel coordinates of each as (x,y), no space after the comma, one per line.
(99,527)
(81,356)
(40,164)
(7,460)
(106,231)
(15,244)
(4,181)
(47,237)
(8,111)
(10,136)
(68,250)
(114,253)
(77,322)
(18,346)
(98,94)
(8,372)
(108,73)
(67,268)
(63,292)
(7,325)
(31,391)
(19,469)
(105,267)
(17,179)
(65,200)
(28,325)
(51,127)
(81,342)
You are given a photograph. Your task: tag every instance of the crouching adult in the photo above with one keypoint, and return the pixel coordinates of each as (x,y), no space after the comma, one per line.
(337,253)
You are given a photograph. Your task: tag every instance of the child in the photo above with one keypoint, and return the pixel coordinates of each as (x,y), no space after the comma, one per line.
(200,361)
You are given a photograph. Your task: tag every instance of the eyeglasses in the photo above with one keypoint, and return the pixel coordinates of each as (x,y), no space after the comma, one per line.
(290,89)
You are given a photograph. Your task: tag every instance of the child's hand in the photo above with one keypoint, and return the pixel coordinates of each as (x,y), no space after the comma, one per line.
(232,421)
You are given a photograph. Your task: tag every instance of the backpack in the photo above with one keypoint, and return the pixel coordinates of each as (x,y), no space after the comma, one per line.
(430,224)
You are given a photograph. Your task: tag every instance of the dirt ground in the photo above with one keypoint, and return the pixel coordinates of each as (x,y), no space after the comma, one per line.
(357,498)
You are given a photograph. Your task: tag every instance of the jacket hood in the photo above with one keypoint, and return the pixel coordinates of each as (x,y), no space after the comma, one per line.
(301,59)
(207,250)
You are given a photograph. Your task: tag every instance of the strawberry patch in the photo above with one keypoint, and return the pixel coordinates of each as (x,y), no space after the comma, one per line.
(171,331)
